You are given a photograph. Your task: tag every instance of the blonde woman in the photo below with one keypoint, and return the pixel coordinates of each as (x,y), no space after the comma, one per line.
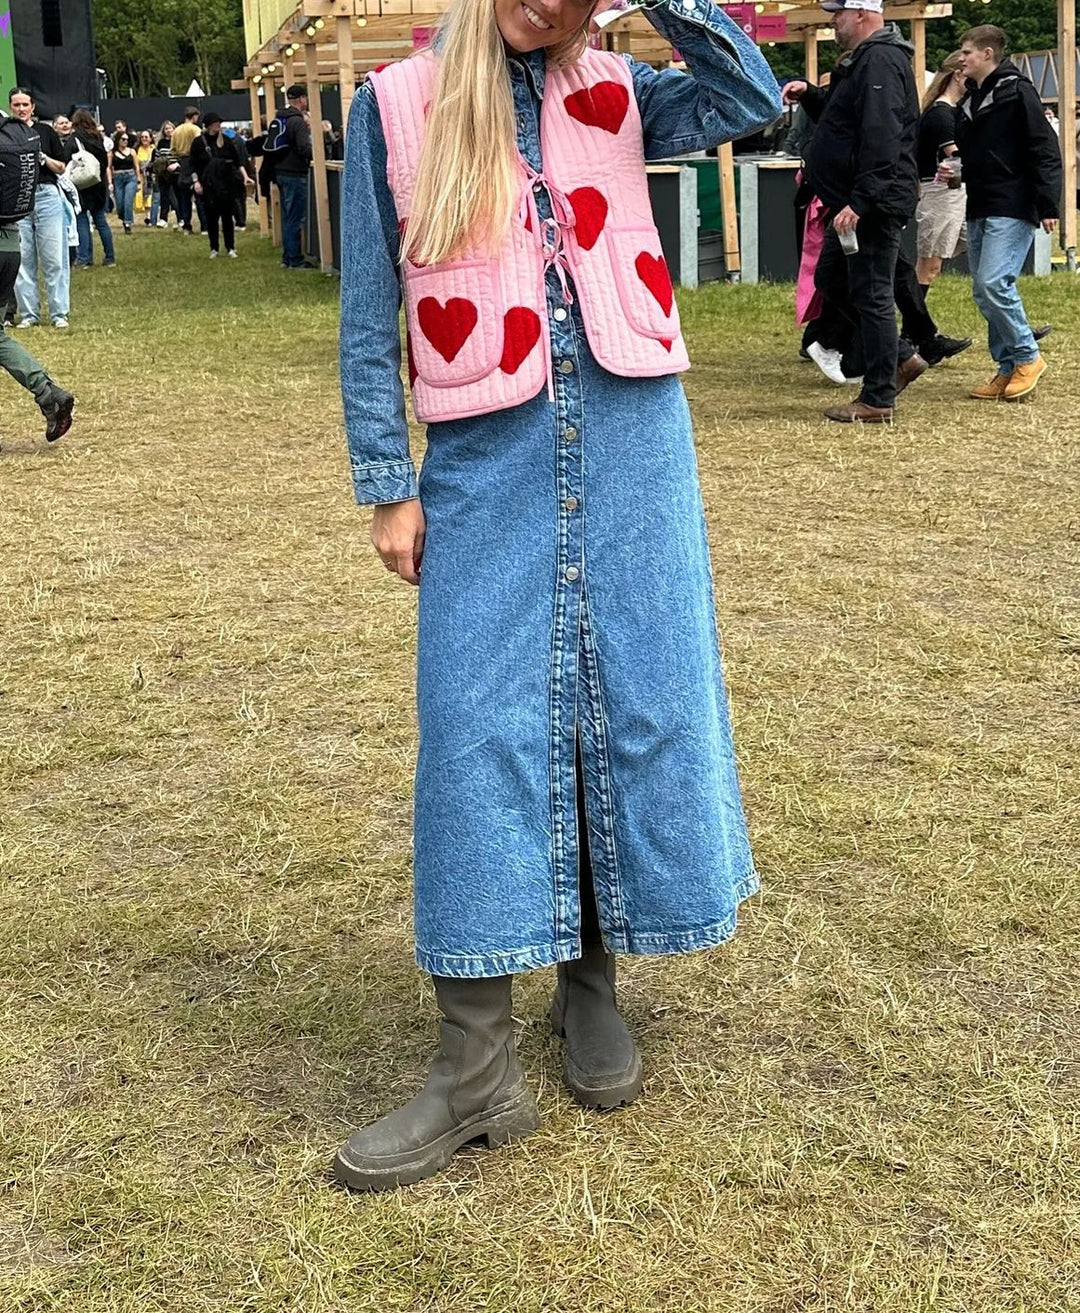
(576,791)
(941,212)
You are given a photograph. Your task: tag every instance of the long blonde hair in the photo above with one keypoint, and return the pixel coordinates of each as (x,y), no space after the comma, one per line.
(941,80)
(468,177)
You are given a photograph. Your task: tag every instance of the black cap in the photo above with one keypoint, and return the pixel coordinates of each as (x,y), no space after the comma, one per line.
(295,91)
(210,117)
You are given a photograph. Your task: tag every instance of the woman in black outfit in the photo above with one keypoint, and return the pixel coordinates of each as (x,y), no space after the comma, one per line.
(217,171)
(94,198)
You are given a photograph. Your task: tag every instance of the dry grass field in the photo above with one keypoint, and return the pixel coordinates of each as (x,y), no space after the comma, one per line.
(869,1100)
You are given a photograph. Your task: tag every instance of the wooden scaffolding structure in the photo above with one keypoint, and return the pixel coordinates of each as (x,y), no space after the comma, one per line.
(337,42)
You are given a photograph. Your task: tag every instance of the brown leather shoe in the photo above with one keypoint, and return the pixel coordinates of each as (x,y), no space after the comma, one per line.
(1024,379)
(859,412)
(992,391)
(911,369)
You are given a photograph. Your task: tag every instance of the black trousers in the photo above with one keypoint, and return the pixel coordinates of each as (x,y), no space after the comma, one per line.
(859,291)
(219,212)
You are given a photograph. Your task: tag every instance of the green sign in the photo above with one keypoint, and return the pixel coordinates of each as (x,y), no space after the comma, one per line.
(7,53)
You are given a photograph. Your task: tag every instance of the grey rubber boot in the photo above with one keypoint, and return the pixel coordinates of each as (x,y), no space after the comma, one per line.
(603,1065)
(475,1090)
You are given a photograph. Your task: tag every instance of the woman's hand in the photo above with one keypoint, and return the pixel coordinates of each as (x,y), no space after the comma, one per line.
(397,530)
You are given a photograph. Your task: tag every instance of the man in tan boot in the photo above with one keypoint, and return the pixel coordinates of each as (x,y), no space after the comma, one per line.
(1011,165)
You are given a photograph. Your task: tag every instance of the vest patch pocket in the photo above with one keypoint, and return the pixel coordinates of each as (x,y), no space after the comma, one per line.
(644,284)
(457,338)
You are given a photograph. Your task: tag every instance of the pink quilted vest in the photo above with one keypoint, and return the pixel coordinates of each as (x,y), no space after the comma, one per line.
(478,328)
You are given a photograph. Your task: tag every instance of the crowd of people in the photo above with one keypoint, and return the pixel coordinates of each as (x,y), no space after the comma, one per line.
(195,171)
(980,163)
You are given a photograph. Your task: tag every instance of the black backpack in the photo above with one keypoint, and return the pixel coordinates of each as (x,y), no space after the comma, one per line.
(20,154)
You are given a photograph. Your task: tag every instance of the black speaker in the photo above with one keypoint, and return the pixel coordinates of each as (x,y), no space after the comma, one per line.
(54,53)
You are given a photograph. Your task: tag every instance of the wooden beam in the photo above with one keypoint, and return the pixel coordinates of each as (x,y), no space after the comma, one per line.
(318,160)
(346,68)
(725,160)
(918,40)
(1067,120)
(264,218)
(273,209)
(810,55)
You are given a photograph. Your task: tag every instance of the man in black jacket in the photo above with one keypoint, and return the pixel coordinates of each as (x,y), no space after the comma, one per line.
(1011,164)
(861,164)
(290,155)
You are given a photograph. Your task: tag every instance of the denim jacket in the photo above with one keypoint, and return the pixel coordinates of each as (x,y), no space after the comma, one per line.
(730,92)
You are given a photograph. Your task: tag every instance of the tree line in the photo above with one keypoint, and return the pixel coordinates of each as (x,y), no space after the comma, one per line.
(146,49)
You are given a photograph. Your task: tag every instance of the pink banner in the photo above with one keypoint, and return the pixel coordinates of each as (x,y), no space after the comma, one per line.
(746,17)
(771,27)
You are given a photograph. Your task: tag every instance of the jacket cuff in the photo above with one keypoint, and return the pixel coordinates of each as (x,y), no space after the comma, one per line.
(387,481)
(670,16)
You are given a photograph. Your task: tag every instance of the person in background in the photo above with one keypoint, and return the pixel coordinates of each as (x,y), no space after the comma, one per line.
(54,402)
(1012,166)
(43,233)
(861,164)
(165,171)
(942,208)
(126,178)
(144,197)
(291,165)
(182,138)
(240,198)
(95,197)
(216,172)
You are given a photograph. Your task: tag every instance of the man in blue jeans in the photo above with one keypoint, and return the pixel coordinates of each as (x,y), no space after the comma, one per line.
(292,162)
(1011,164)
(43,233)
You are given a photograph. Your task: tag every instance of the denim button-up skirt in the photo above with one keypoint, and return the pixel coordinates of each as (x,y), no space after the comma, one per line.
(566,602)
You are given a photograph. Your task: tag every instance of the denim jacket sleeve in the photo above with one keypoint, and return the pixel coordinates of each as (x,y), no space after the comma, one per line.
(370,343)
(731,93)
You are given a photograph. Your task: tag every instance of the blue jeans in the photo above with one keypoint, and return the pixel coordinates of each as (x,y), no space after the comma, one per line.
(43,246)
(997,249)
(86,240)
(293,188)
(125,185)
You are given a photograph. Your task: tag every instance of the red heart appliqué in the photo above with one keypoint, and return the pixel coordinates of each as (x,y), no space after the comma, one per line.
(447,327)
(667,343)
(521,332)
(653,272)
(603,105)
(590,215)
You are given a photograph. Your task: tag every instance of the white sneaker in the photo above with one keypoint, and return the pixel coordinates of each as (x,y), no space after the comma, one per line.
(232,255)
(60,321)
(828,362)
(162,224)
(213,255)
(27,322)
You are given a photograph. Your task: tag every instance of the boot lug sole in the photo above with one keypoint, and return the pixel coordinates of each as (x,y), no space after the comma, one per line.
(512,1121)
(623,1089)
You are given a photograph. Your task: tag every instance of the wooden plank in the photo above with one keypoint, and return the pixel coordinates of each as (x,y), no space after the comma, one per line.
(725,160)
(318,160)
(918,40)
(1067,120)
(346,68)
(810,56)
(264,218)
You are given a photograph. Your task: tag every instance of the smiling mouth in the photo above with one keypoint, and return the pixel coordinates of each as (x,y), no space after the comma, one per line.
(535,20)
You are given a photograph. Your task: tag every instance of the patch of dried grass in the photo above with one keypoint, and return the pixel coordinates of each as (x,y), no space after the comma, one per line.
(866,1101)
